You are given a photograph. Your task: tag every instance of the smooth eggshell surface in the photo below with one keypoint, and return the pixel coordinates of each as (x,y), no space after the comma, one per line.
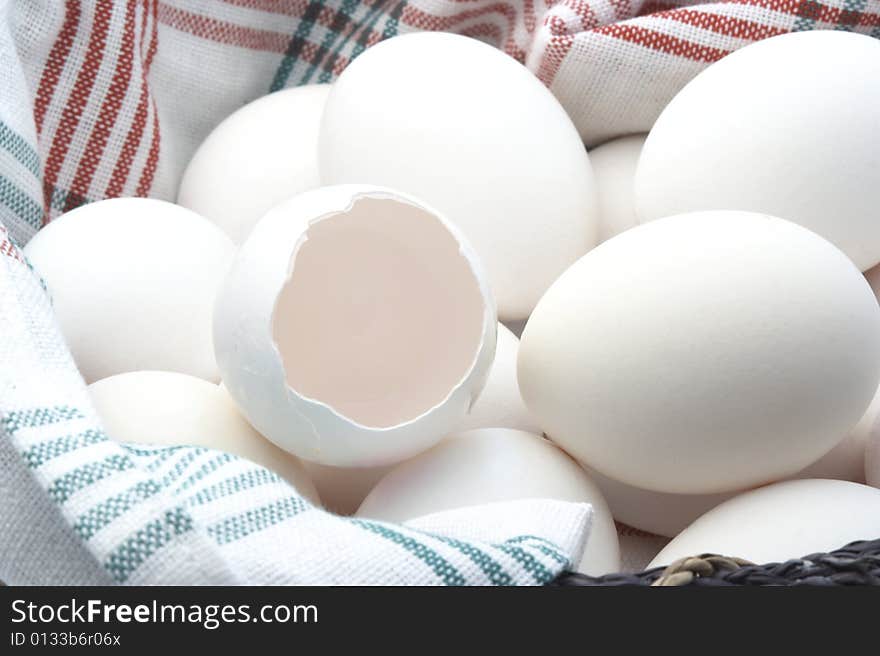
(489,465)
(165,408)
(776,127)
(614,167)
(703,353)
(258,156)
(471,131)
(133,282)
(669,514)
(782,521)
(658,513)
(846,461)
(499,404)
(355,327)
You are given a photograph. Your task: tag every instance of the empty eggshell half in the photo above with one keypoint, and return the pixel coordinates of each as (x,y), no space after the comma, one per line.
(355,327)
(168,408)
(491,465)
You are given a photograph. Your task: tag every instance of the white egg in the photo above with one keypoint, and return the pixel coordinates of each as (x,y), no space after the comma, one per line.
(666,514)
(499,404)
(490,465)
(166,408)
(782,521)
(786,126)
(133,282)
(658,513)
(355,327)
(343,489)
(260,155)
(471,131)
(846,461)
(702,353)
(614,167)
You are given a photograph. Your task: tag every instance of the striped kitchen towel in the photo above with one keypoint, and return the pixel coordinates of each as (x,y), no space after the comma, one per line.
(105,98)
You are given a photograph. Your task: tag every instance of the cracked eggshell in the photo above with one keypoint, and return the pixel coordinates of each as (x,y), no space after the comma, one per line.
(355,327)
(490,465)
(786,126)
(703,353)
(473,132)
(255,158)
(781,521)
(133,282)
(170,409)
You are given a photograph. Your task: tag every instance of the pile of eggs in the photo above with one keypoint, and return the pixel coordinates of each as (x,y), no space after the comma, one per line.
(700,347)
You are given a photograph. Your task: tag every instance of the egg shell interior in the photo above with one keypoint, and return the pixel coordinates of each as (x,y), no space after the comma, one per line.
(356,334)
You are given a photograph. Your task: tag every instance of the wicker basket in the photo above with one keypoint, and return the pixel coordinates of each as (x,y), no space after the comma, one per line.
(857,563)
